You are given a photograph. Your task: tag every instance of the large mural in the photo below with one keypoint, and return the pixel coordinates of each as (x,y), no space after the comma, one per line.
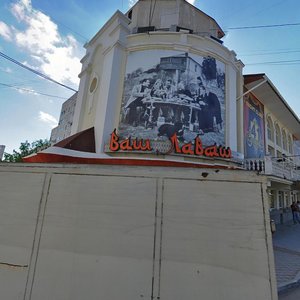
(253,127)
(167,92)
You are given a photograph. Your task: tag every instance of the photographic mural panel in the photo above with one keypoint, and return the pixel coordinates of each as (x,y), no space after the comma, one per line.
(253,127)
(167,92)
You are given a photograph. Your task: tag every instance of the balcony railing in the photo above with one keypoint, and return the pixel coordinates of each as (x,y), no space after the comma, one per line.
(255,165)
(272,166)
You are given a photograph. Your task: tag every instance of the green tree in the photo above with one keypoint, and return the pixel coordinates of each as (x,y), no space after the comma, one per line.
(26,149)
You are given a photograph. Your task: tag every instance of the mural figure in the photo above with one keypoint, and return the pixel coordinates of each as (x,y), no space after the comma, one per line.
(210,113)
(253,127)
(134,105)
(173,93)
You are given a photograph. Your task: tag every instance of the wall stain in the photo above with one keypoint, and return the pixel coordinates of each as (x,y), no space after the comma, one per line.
(12,266)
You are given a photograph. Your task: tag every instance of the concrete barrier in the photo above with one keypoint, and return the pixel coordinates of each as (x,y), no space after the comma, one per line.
(126,232)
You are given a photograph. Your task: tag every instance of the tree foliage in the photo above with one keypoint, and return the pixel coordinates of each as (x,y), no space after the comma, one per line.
(26,149)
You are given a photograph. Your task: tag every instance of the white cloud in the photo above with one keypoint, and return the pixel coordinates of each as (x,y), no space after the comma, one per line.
(27,3)
(26,90)
(56,55)
(19,9)
(5,31)
(47,118)
(6,70)
(191,1)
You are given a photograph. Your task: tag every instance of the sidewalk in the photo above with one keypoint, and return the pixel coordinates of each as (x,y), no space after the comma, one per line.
(286,245)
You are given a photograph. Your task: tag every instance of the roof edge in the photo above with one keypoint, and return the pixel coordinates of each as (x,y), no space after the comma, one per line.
(255,77)
(116,15)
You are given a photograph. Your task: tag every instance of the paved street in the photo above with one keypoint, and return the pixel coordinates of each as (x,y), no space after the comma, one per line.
(286,243)
(292,294)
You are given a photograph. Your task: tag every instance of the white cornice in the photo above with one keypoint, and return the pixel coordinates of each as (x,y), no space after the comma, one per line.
(207,46)
(122,21)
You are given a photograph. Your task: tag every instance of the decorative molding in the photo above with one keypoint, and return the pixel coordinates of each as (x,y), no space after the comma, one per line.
(87,70)
(208,47)
(117,44)
(117,15)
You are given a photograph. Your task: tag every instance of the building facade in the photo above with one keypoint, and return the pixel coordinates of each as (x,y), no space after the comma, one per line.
(153,97)
(178,53)
(2,148)
(63,130)
(274,144)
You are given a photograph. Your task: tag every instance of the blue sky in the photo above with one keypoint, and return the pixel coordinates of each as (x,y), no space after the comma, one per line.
(49,37)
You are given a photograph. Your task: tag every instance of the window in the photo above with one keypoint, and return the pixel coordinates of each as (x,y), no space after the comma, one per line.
(93,84)
(177,60)
(271,199)
(287,199)
(290,145)
(280,199)
(270,129)
(271,150)
(278,135)
(165,59)
(130,14)
(284,140)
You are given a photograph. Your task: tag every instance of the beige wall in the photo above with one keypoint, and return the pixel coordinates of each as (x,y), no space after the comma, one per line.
(168,13)
(20,198)
(117,232)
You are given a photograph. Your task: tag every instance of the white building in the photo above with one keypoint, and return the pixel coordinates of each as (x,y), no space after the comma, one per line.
(63,130)
(279,159)
(175,41)
(2,148)
(118,51)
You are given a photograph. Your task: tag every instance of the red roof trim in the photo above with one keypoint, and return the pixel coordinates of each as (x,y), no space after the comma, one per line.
(57,158)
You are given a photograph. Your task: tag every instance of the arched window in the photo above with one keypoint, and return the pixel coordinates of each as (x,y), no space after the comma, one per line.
(284,140)
(270,129)
(278,135)
(290,145)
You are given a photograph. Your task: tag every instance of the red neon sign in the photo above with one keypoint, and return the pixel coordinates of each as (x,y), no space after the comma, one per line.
(128,144)
(197,148)
(192,148)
